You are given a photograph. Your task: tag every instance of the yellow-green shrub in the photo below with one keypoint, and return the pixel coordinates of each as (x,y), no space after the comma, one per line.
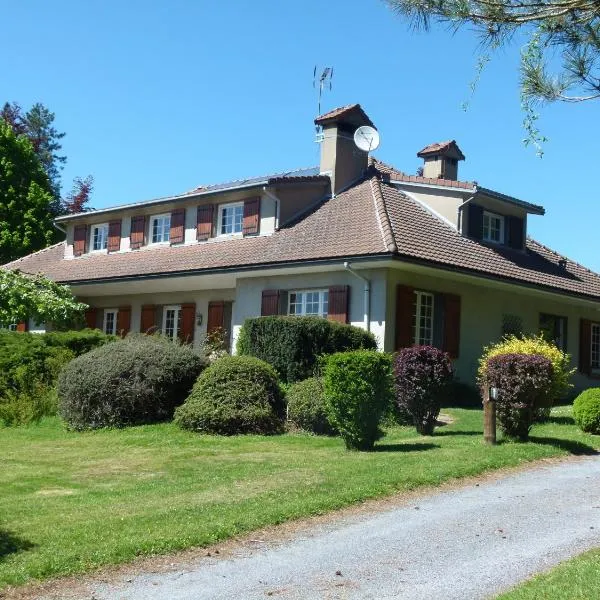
(561,361)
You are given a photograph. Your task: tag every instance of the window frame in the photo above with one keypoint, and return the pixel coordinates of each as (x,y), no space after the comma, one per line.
(485,233)
(153,218)
(595,368)
(93,228)
(12,326)
(418,307)
(222,207)
(177,321)
(323,302)
(115,313)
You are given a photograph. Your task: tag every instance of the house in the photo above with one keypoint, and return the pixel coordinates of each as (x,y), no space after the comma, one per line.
(426,259)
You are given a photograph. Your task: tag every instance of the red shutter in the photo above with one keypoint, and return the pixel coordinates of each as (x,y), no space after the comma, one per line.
(79,240)
(251,216)
(22,326)
(585,346)
(188,321)
(204,223)
(138,225)
(148,320)
(114,236)
(90,318)
(405,299)
(216,313)
(177,233)
(452,325)
(270,303)
(124,320)
(338,303)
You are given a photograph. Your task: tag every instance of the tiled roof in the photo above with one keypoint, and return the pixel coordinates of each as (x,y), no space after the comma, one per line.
(350,112)
(441,147)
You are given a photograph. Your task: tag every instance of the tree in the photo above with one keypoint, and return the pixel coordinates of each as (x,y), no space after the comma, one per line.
(25,198)
(77,200)
(24,297)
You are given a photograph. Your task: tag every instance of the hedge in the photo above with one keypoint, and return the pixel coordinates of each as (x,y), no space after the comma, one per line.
(306,407)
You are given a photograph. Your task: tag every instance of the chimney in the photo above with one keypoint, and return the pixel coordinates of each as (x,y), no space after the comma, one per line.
(440,160)
(340,158)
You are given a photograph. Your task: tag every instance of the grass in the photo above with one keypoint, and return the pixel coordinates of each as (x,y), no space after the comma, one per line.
(70,502)
(576,579)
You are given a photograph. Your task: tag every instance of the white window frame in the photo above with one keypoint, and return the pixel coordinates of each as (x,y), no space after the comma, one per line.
(153,218)
(595,347)
(417,339)
(114,312)
(220,219)
(93,228)
(323,303)
(487,232)
(177,321)
(12,326)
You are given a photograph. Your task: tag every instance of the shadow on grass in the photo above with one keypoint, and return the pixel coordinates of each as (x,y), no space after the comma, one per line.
(571,446)
(404,447)
(444,433)
(12,544)
(559,421)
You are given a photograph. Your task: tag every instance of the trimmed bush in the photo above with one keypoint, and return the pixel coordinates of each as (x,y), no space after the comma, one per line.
(586,410)
(521,380)
(292,345)
(306,407)
(235,394)
(136,380)
(422,375)
(358,391)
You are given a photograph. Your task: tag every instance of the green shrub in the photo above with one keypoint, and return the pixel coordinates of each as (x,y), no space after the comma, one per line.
(292,345)
(139,379)
(306,406)
(358,391)
(235,394)
(586,410)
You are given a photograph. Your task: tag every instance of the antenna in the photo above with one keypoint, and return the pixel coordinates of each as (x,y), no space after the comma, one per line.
(324,82)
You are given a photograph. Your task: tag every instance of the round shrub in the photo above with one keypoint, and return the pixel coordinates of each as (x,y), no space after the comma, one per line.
(140,379)
(586,410)
(235,394)
(422,375)
(306,407)
(358,391)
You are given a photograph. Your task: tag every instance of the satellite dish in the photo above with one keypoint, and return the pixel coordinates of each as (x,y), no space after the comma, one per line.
(366,138)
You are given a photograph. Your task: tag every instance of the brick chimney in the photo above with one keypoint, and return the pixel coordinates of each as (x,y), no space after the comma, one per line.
(340,158)
(440,160)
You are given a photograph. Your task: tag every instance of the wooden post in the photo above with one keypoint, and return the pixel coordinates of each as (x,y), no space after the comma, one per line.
(489,418)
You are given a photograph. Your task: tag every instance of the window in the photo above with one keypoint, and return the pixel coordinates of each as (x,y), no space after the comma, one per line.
(309,302)
(99,237)
(512,325)
(109,325)
(231,218)
(12,327)
(493,228)
(554,329)
(171,321)
(423,319)
(160,228)
(595,350)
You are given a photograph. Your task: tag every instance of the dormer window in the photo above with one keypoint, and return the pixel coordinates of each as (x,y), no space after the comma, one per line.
(99,235)
(231,218)
(160,228)
(493,228)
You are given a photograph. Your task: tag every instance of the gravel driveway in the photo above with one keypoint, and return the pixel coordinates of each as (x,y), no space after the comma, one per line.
(471,542)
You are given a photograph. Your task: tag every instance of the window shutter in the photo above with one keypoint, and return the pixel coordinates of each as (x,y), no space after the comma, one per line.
(114,236)
(204,222)
(585,346)
(138,225)
(270,303)
(475,221)
(216,314)
(177,233)
(515,232)
(148,320)
(80,240)
(22,326)
(338,303)
(188,321)
(451,325)
(251,216)
(124,320)
(90,318)
(405,300)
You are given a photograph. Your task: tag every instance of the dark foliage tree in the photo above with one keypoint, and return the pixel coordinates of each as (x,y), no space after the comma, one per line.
(77,201)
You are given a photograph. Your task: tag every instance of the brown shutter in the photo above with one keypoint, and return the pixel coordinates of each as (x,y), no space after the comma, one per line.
(22,326)
(405,299)
(114,236)
(251,216)
(188,321)
(90,318)
(216,316)
(585,346)
(451,325)
(80,240)
(138,224)
(204,223)
(123,320)
(177,233)
(270,303)
(148,320)
(475,221)
(515,232)
(338,303)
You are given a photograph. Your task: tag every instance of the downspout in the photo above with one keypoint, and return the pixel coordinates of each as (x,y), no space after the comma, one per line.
(460,210)
(367,283)
(277,205)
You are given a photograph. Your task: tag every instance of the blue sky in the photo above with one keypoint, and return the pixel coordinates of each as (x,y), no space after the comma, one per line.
(159,97)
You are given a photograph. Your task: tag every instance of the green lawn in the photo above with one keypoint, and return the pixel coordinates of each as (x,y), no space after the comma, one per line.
(576,579)
(70,502)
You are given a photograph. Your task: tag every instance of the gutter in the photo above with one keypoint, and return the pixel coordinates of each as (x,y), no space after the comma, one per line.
(367,283)
(57,226)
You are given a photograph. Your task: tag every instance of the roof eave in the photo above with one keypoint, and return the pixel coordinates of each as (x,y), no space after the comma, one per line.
(533,209)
